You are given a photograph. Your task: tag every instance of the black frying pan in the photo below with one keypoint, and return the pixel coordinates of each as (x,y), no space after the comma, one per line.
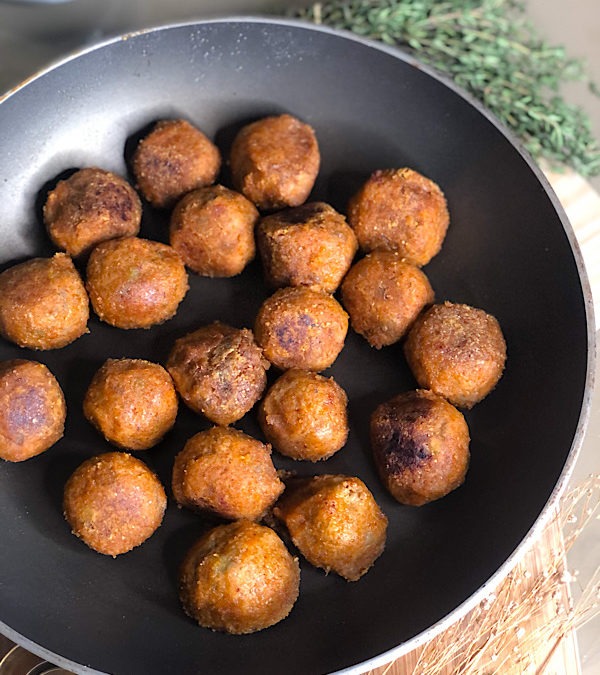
(509,250)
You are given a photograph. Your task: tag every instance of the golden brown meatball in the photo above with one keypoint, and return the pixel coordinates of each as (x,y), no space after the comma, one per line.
(310,245)
(304,415)
(226,472)
(91,206)
(32,409)
(457,351)
(174,158)
(219,371)
(420,445)
(113,502)
(212,229)
(239,578)
(131,402)
(135,283)
(399,209)
(301,328)
(383,296)
(335,522)
(275,161)
(43,303)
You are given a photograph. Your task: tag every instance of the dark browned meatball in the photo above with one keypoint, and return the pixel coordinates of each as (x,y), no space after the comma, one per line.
(335,522)
(32,409)
(457,351)
(310,245)
(219,371)
(131,402)
(399,209)
(239,578)
(135,283)
(113,502)
(420,445)
(226,472)
(301,328)
(43,303)
(212,229)
(383,295)
(275,161)
(91,206)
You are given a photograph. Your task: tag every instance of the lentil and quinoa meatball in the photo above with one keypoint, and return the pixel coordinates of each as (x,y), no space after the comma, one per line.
(32,409)
(43,303)
(174,158)
(219,371)
(91,206)
(301,328)
(275,161)
(399,209)
(131,402)
(420,446)
(304,415)
(383,295)
(212,229)
(135,283)
(335,522)
(226,472)
(457,351)
(114,502)
(239,578)
(310,245)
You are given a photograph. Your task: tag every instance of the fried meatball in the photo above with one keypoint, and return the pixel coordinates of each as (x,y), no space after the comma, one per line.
(335,522)
(219,371)
(174,158)
(383,296)
(212,229)
(304,415)
(420,446)
(239,578)
(135,283)
(399,209)
(226,472)
(131,402)
(114,502)
(301,328)
(310,245)
(457,351)
(275,161)
(91,206)
(43,303)
(32,409)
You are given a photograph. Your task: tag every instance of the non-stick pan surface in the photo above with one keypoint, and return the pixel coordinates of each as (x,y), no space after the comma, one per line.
(508,251)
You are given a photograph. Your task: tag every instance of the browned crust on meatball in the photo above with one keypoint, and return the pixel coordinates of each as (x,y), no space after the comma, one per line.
(420,446)
(301,328)
(457,351)
(174,158)
(43,303)
(310,245)
(335,522)
(239,578)
(114,502)
(226,472)
(304,415)
(275,161)
(135,283)
(132,403)
(91,206)
(32,409)
(212,229)
(219,371)
(400,209)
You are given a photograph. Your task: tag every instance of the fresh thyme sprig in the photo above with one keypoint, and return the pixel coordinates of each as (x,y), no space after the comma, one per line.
(490,49)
